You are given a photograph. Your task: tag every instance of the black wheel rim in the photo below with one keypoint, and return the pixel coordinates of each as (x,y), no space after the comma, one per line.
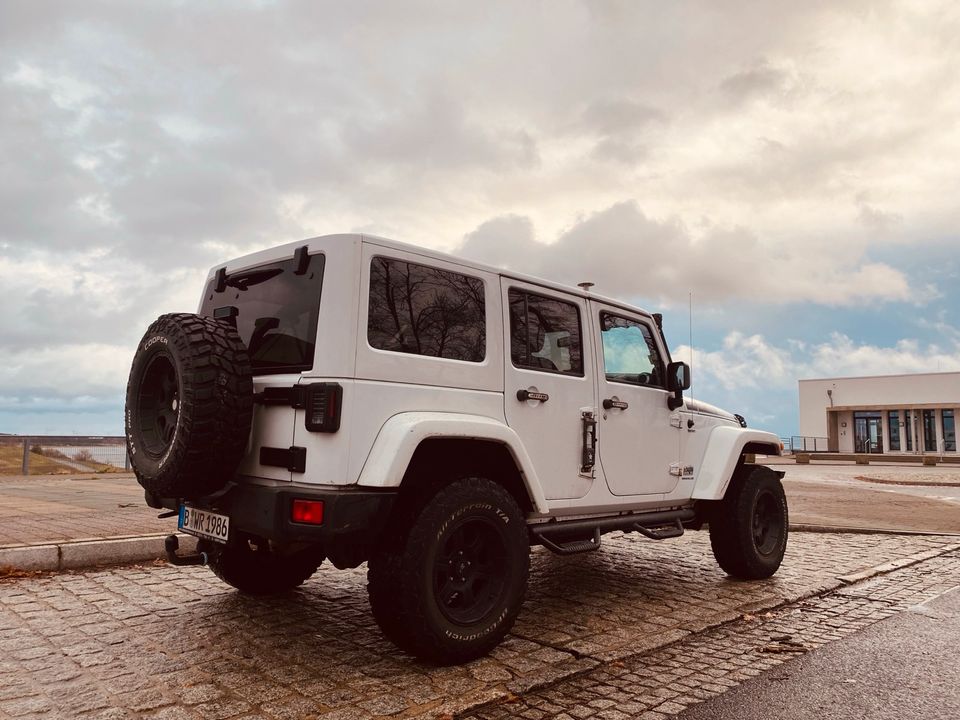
(767,523)
(158,405)
(470,570)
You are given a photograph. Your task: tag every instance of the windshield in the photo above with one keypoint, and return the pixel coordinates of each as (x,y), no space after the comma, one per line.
(276,312)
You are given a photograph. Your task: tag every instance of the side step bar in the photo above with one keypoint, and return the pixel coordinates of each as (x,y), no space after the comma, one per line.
(572,547)
(656,526)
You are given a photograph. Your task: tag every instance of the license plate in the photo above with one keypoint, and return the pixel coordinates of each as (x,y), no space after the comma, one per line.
(205,524)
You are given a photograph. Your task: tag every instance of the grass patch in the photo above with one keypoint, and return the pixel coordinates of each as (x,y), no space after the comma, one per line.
(50,462)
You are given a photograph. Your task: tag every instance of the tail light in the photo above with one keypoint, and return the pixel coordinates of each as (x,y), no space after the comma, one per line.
(322,407)
(309,512)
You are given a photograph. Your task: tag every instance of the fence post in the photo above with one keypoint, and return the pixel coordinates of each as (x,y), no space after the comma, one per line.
(25,468)
(126,458)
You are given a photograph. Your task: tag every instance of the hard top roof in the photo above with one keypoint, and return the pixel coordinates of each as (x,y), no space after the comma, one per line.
(271,254)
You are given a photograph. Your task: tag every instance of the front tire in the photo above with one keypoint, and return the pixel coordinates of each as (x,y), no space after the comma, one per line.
(749,527)
(447,583)
(255,569)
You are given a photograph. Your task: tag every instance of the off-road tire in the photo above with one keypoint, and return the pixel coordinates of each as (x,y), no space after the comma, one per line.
(257,570)
(189,406)
(749,527)
(405,585)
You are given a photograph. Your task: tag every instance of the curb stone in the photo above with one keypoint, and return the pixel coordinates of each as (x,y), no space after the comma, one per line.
(806,527)
(90,552)
(79,554)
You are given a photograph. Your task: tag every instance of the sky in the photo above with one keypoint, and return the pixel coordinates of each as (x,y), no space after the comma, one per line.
(792,170)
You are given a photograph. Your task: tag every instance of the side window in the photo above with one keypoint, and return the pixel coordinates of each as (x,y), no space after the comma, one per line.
(545,334)
(630,353)
(423,310)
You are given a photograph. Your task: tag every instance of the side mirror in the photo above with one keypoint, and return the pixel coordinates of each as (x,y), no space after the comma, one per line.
(678,380)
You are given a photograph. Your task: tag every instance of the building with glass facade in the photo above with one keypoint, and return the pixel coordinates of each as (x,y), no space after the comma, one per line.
(913,414)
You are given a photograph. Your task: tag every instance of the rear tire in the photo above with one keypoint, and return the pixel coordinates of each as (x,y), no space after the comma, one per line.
(255,569)
(189,406)
(447,582)
(749,527)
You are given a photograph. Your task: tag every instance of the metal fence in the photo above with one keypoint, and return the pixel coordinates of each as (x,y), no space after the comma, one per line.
(62,454)
(799,443)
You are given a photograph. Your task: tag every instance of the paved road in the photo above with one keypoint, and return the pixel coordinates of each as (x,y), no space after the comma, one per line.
(166,642)
(903,668)
(896,674)
(60,508)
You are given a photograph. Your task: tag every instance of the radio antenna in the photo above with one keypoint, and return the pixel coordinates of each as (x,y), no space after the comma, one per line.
(690,299)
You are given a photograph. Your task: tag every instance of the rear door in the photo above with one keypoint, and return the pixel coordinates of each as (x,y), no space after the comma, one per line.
(639,437)
(275,307)
(549,384)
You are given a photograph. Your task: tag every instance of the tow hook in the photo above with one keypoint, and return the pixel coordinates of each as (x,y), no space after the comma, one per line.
(172,543)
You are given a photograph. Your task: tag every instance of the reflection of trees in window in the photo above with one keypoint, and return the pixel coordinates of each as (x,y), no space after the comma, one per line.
(544,334)
(426,311)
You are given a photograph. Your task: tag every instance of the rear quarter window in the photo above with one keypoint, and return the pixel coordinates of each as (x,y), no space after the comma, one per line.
(423,310)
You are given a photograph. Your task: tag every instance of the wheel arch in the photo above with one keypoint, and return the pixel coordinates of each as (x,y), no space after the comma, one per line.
(725,454)
(409,443)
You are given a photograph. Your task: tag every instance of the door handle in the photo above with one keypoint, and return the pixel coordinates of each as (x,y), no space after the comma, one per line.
(524,395)
(610,403)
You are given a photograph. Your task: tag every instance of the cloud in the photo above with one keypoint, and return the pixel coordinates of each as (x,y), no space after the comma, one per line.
(628,254)
(751,362)
(762,80)
(759,155)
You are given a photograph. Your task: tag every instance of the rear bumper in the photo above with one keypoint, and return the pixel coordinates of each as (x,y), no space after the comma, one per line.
(352,518)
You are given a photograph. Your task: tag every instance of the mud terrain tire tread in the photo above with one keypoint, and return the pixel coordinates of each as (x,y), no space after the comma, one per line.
(215,406)
(731,535)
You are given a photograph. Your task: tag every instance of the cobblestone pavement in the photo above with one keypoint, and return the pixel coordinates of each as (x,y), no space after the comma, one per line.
(665,682)
(167,643)
(52,509)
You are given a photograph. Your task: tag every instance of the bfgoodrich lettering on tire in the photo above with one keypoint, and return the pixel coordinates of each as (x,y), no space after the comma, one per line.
(748,528)
(189,406)
(447,584)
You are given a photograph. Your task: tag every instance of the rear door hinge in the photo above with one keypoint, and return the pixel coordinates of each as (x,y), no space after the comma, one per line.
(293,458)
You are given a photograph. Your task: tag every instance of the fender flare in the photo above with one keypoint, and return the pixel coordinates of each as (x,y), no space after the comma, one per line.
(402,434)
(724,448)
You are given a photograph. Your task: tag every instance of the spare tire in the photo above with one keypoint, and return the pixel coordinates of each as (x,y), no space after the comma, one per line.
(189,406)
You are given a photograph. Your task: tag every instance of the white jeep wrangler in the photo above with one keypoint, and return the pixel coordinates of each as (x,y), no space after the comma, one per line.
(354,399)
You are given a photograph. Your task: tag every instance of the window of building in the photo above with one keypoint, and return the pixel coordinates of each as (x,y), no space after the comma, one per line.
(949,431)
(630,353)
(894,420)
(426,311)
(545,334)
(929,431)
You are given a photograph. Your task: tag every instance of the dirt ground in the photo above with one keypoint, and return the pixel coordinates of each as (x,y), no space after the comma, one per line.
(887,497)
